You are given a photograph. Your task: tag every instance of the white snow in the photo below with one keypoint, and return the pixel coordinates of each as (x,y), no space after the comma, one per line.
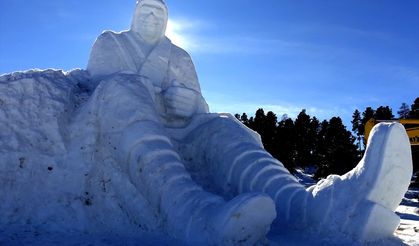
(53,187)
(408,211)
(127,151)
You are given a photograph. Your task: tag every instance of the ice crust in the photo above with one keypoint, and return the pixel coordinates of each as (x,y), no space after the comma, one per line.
(128,146)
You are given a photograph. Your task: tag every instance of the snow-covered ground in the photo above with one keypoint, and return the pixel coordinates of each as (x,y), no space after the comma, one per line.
(406,234)
(408,211)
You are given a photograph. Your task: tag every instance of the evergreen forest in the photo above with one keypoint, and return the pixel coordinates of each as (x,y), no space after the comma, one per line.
(327,146)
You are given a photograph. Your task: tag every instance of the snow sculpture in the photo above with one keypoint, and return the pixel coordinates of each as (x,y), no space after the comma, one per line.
(147,88)
(145,146)
(162,104)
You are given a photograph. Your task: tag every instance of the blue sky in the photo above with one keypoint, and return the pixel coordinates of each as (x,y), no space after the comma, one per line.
(330,57)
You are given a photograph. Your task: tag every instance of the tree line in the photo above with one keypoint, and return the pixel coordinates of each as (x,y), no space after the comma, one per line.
(326,145)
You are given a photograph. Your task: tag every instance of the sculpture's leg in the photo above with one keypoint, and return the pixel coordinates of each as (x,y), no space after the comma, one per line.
(348,204)
(190,212)
(147,155)
(239,163)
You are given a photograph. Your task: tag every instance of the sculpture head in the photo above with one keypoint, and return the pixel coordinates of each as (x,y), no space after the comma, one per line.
(150,20)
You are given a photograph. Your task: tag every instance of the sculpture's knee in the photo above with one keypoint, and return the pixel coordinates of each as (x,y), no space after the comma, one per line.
(143,137)
(230,127)
(221,134)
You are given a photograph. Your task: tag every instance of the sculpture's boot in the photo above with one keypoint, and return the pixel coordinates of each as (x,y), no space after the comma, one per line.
(359,203)
(245,220)
(189,212)
(362,202)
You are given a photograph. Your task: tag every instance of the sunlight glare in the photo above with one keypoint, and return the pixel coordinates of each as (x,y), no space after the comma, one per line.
(174,33)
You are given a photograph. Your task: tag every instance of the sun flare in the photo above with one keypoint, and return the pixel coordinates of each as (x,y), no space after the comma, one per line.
(174,33)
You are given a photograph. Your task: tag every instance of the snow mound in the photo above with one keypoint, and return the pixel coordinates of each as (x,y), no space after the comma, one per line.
(48,179)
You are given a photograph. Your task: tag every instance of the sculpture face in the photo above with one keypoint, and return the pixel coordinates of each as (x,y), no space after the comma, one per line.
(150,20)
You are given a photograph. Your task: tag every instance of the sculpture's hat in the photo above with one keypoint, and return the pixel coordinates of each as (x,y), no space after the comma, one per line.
(152,1)
(159,1)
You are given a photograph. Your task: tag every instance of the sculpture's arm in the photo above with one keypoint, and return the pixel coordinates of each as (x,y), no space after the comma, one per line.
(182,93)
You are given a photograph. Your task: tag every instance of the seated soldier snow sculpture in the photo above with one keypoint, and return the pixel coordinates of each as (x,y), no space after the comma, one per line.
(149,105)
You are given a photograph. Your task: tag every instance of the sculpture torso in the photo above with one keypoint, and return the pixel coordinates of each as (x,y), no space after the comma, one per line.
(161,67)
(125,52)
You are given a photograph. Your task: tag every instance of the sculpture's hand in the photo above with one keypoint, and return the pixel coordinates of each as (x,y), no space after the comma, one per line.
(181,102)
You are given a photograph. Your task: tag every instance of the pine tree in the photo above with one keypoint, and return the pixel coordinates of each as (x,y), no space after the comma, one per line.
(383,113)
(404,111)
(323,151)
(338,153)
(251,123)
(259,122)
(366,116)
(286,143)
(269,133)
(356,127)
(414,111)
(304,141)
(244,119)
(313,136)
